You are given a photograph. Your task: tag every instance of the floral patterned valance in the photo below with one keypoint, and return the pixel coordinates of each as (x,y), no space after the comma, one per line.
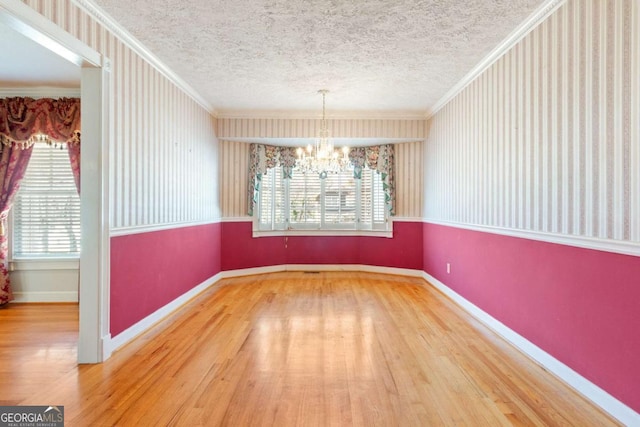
(264,157)
(378,157)
(24,121)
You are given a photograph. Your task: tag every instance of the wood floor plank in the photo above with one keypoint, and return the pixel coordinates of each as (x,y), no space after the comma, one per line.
(326,349)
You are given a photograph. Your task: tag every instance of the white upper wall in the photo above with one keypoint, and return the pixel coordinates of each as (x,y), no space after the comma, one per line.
(546,139)
(163,159)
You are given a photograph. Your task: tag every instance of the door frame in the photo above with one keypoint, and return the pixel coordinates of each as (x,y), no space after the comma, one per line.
(93,333)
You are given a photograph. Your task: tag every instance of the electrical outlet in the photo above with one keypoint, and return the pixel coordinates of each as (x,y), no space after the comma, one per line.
(448,268)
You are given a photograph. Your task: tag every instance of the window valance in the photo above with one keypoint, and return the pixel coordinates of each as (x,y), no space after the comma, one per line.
(378,157)
(24,121)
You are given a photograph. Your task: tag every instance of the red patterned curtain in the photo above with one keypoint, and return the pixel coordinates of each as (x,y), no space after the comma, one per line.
(74,159)
(24,121)
(13,163)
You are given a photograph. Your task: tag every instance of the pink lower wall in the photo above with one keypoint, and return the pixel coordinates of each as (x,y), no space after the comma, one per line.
(240,250)
(149,270)
(581,306)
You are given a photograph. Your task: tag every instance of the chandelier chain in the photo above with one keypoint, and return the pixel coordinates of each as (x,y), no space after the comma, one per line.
(322,158)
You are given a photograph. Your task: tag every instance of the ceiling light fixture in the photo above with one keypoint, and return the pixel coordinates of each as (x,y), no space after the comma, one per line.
(322,158)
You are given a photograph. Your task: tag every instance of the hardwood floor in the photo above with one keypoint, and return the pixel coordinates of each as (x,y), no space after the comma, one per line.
(290,349)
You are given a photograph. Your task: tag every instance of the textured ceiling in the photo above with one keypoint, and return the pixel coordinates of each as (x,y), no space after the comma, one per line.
(374,55)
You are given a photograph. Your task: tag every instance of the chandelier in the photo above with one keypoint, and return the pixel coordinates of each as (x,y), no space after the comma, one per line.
(323,158)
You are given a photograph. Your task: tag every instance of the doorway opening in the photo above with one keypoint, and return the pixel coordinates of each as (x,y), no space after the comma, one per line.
(93,333)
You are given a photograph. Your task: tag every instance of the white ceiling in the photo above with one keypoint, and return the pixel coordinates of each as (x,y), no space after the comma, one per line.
(273,55)
(243,56)
(24,63)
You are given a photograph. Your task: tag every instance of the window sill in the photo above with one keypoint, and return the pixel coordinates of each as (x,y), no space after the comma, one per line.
(44,264)
(318,233)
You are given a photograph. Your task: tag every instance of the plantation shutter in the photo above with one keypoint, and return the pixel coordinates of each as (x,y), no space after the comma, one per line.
(337,202)
(372,207)
(305,199)
(378,196)
(340,198)
(272,202)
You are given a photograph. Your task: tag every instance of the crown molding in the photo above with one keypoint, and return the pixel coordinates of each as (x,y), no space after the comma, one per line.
(317,115)
(134,44)
(40,92)
(34,26)
(525,28)
(546,9)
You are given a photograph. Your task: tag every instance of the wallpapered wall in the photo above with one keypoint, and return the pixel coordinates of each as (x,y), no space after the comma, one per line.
(163,172)
(547,138)
(234,161)
(231,128)
(545,143)
(163,147)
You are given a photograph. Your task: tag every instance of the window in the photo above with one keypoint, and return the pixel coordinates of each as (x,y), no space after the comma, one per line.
(46,212)
(306,202)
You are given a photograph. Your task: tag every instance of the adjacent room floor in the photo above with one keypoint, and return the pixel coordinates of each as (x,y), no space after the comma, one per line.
(329,348)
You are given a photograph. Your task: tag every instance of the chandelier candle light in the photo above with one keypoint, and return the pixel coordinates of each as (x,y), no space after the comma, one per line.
(322,158)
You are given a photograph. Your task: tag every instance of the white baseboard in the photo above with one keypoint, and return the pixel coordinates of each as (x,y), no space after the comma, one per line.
(583,386)
(251,271)
(112,344)
(354,267)
(598,396)
(143,325)
(105,346)
(49,296)
(322,267)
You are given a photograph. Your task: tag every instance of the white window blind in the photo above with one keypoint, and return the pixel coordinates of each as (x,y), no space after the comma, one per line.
(46,212)
(306,202)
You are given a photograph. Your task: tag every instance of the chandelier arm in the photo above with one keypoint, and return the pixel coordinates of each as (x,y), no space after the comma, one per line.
(324,158)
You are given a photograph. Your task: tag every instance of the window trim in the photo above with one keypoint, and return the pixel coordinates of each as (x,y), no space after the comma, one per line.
(317,229)
(324,232)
